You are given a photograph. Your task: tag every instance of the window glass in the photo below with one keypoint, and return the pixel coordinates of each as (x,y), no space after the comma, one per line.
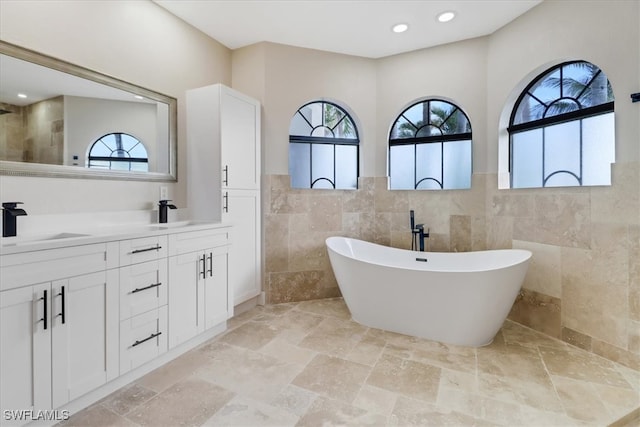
(561,129)
(430,147)
(401,171)
(323,147)
(299,165)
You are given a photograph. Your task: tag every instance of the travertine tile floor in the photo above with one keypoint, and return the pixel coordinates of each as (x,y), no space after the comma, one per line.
(309,364)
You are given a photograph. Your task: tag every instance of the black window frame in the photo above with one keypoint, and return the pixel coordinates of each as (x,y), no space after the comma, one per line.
(323,140)
(545,122)
(432,139)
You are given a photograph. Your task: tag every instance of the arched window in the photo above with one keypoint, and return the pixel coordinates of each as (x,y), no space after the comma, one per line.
(323,147)
(430,147)
(561,130)
(118,151)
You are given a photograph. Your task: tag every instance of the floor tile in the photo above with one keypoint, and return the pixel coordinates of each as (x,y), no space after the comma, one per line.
(189,402)
(247,372)
(328,412)
(333,377)
(581,401)
(334,307)
(97,416)
(335,337)
(580,365)
(410,412)
(251,334)
(168,374)
(127,398)
(413,379)
(528,392)
(309,364)
(294,399)
(243,411)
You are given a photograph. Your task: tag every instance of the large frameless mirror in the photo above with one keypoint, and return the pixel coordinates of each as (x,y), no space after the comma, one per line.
(60,119)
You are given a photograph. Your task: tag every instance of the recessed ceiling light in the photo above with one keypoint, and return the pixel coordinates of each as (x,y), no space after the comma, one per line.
(22,95)
(400,28)
(446,16)
(138,97)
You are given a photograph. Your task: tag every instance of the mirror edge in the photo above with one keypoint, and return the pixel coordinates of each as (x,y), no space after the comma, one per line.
(8,168)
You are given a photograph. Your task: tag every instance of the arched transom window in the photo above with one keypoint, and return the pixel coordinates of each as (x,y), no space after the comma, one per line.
(323,147)
(561,131)
(118,151)
(430,147)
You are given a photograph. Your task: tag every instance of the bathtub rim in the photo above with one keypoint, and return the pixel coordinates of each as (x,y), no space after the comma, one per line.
(526,256)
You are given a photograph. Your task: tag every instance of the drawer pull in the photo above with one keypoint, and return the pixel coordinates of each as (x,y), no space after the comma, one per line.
(150,337)
(153,248)
(155,285)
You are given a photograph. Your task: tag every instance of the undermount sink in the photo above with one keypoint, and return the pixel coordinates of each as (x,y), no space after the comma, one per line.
(65,236)
(40,238)
(175,224)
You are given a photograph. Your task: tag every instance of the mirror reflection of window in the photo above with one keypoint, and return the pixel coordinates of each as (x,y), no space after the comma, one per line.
(118,151)
(562,131)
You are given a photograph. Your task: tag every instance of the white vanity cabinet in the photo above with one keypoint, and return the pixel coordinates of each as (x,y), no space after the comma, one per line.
(77,318)
(198,283)
(224,157)
(59,325)
(242,207)
(239,139)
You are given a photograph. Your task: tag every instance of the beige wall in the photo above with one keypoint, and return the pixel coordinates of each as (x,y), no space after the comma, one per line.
(294,76)
(583,285)
(136,41)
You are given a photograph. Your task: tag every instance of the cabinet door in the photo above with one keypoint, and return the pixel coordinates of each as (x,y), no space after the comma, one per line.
(25,348)
(84,336)
(243,211)
(215,287)
(186,309)
(240,140)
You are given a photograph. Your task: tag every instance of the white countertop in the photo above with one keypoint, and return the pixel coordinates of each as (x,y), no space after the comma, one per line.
(88,235)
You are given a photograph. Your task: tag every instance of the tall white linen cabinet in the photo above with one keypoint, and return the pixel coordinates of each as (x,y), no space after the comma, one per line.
(223,136)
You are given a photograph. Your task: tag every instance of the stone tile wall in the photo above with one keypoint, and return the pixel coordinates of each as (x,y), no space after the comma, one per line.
(583,284)
(12,133)
(297,222)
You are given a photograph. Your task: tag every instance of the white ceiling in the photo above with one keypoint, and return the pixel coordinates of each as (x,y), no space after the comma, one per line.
(353,27)
(39,83)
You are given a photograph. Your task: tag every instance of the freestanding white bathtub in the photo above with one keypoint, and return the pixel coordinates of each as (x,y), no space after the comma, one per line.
(456,298)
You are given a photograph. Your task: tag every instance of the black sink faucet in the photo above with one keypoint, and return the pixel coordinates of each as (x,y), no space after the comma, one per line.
(9,214)
(162,211)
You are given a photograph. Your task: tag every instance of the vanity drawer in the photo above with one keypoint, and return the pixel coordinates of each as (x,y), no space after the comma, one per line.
(134,251)
(142,338)
(193,241)
(143,287)
(28,268)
